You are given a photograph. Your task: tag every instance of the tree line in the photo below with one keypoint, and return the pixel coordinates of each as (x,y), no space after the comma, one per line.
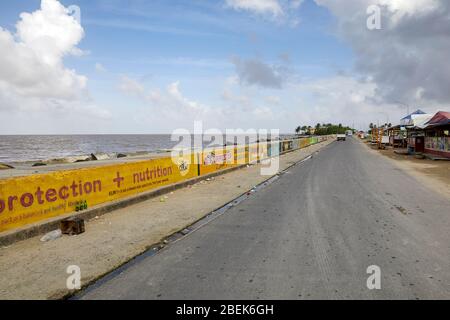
(374,126)
(323,129)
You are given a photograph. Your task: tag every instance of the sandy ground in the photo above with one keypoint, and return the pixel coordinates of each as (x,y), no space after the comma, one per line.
(435,174)
(35,270)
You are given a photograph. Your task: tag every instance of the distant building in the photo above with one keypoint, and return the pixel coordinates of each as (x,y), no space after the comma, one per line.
(437,135)
(416,133)
(409,119)
(397,136)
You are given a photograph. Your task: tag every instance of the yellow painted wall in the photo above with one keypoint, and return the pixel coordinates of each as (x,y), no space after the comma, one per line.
(216,159)
(253,153)
(34,198)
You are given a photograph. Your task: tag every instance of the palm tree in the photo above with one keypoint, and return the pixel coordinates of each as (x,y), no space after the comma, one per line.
(297,130)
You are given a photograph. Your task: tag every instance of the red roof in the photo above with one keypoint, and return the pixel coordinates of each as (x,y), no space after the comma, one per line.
(440,118)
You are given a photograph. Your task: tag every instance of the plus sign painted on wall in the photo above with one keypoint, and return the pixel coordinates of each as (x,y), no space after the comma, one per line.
(118,180)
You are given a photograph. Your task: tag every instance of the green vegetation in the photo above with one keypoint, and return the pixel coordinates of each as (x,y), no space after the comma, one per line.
(374,126)
(324,129)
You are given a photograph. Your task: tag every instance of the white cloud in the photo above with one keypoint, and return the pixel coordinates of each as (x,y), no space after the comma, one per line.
(32,72)
(347,100)
(336,99)
(170,103)
(100,68)
(169,108)
(295,4)
(339,99)
(257,6)
(236,96)
(131,86)
(276,10)
(406,57)
(238,99)
(50,32)
(400,8)
(273,100)
(263,112)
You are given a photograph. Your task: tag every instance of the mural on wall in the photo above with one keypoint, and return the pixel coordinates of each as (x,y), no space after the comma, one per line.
(438,143)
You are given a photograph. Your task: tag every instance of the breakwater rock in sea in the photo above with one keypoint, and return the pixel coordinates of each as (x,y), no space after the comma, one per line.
(80,158)
(5,166)
(100,156)
(92,157)
(71,159)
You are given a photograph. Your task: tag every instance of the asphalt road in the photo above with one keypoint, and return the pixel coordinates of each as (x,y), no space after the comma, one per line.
(309,235)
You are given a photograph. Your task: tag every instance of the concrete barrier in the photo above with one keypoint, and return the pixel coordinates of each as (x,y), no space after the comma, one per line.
(29,199)
(26,202)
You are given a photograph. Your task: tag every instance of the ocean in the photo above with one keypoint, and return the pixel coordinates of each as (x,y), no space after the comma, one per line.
(44,147)
(22,148)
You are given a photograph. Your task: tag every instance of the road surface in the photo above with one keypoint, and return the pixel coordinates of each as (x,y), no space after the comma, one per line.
(311,234)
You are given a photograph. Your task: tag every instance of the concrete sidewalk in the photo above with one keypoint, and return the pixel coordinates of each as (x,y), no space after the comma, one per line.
(34,270)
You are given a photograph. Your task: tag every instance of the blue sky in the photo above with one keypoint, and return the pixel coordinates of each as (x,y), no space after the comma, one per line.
(153,66)
(163,41)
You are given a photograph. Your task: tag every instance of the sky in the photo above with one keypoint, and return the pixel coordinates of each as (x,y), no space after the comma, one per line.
(138,67)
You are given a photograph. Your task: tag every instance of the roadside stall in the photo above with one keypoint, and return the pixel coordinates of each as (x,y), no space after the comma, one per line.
(415,133)
(437,135)
(397,136)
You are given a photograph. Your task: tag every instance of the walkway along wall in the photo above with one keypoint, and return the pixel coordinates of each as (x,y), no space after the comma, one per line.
(34,198)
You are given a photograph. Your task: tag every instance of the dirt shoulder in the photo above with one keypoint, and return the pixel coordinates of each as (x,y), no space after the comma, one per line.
(35,270)
(434,174)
